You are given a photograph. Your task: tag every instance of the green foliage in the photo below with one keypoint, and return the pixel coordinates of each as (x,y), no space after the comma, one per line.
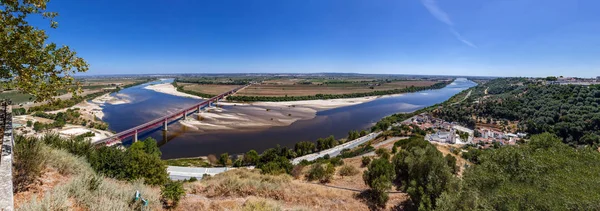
(171,193)
(18,111)
(40,68)
(274,161)
(379,177)
(140,164)
(224,159)
(423,173)
(365,161)
(251,157)
(382,152)
(304,148)
(353,135)
(140,161)
(323,144)
(451,161)
(28,163)
(318,172)
(569,111)
(472,155)
(543,174)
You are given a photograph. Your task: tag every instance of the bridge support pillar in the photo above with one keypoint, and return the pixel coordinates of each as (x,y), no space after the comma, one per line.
(135,137)
(199,109)
(165,125)
(184,115)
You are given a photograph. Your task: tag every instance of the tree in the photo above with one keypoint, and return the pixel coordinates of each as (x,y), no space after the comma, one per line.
(224,159)
(251,157)
(304,148)
(140,164)
(423,173)
(36,66)
(378,177)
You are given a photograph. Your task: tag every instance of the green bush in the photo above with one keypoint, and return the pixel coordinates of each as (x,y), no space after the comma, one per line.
(171,193)
(379,177)
(318,172)
(365,161)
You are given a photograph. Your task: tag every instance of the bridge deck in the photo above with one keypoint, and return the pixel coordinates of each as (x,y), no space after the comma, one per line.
(159,121)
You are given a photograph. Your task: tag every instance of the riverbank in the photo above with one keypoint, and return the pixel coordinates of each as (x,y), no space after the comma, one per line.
(168,88)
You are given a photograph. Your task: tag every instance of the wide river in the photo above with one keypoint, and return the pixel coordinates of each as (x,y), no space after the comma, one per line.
(181,141)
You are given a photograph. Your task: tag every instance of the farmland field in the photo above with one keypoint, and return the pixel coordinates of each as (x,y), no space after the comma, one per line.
(286,88)
(211,89)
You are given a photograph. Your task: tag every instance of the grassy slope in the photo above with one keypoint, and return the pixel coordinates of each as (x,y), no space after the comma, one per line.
(67,185)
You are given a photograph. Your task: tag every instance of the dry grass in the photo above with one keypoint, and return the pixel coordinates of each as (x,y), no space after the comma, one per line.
(284,89)
(212,89)
(236,187)
(69,183)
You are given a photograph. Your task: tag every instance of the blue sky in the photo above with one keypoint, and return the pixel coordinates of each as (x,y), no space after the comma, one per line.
(450,37)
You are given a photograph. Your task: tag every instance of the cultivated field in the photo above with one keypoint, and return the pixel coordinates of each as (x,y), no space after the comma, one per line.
(212,89)
(286,88)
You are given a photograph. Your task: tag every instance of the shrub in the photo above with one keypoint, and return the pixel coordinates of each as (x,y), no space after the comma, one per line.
(323,174)
(316,172)
(348,170)
(378,177)
(336,161)
(170,194)
(382,152)
(224,159)
(29,162)
(365,161)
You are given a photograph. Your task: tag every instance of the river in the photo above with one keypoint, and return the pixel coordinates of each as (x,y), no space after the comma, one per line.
(181,141)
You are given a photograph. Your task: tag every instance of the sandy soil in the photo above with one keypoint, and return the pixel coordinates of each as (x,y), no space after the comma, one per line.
(67,131)
(168,88)
(246,117)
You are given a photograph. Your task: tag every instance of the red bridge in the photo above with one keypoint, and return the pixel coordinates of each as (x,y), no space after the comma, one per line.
(165,120)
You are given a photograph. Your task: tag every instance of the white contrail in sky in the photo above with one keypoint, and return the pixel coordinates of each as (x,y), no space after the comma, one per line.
(442,16)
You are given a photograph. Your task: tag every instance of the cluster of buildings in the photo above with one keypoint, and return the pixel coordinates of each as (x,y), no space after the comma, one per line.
(453,133)
(490,136)
(443,132)
(575,81)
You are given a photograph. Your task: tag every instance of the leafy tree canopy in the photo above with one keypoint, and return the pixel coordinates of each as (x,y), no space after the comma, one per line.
(28,59)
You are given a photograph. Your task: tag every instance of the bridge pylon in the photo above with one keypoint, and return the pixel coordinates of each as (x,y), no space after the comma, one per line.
(165,124)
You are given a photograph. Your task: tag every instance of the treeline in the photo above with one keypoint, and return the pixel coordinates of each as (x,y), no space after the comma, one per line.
(199,94)
(214,81)
(571,112)
(336,96)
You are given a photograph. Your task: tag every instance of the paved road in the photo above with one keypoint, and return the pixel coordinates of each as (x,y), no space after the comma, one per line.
(335,151)
(181,173)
